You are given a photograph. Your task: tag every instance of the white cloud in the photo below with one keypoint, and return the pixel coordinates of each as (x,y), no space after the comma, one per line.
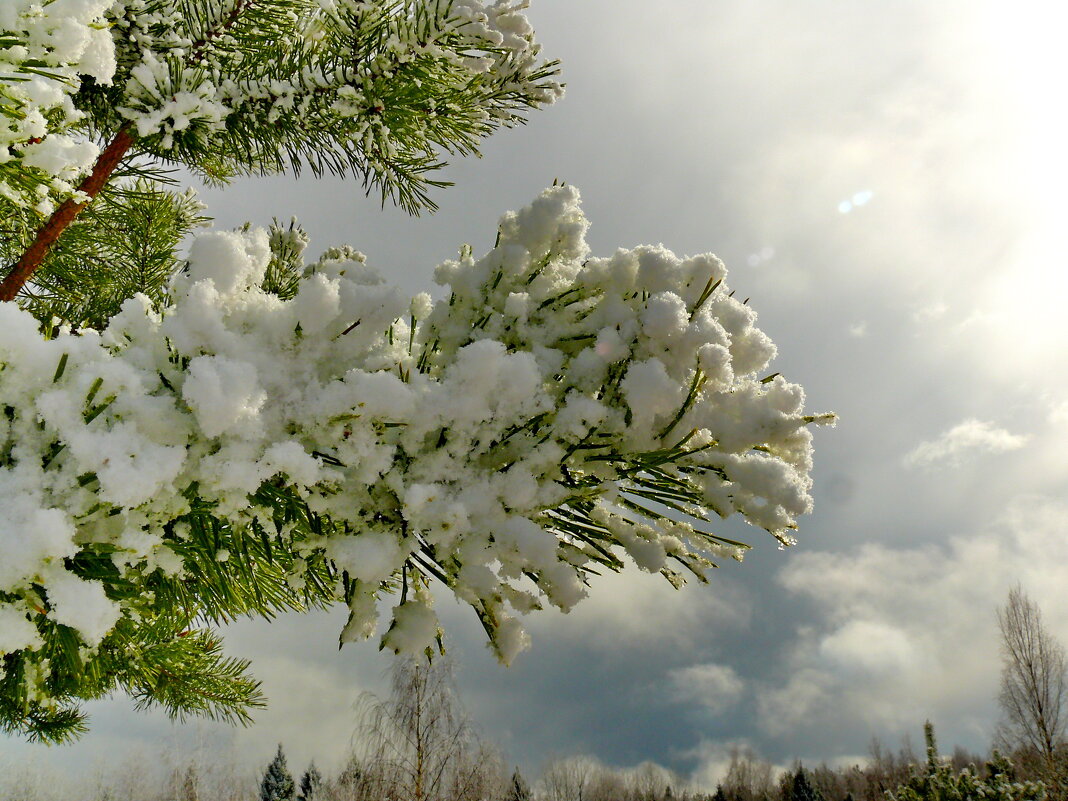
(971,435)
(908,634)
(714,687)
(929,313)
(869,647)
(1058,412)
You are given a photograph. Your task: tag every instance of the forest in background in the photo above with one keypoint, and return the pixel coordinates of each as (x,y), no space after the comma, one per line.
(418,745)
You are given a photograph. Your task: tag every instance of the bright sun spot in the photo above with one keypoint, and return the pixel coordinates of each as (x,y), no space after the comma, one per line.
(1028,43)
(858,199)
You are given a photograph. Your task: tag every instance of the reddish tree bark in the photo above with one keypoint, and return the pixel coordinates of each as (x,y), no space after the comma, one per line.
(64,215)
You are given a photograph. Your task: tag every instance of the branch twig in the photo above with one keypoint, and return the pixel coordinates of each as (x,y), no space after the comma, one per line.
(63,216)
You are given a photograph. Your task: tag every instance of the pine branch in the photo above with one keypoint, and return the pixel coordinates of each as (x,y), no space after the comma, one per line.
(200,47)
(63,216)
(125,243)
(188,675)
(41,724)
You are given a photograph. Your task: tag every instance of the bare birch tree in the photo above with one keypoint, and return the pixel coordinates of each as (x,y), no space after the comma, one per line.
(419,745)
(749,777)
(1034,680)
(570,778)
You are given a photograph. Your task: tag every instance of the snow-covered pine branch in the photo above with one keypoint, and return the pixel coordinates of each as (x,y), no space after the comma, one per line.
(45,54)
(538,421)
(248,434)
(226,87)
(377,90)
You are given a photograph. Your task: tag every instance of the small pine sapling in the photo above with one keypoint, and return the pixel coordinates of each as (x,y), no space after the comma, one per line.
(940,783)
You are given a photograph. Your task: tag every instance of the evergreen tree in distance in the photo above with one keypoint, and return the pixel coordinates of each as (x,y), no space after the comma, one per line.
(277,783)
(310,784)
(240,430)
(719,795)
(519,790)
(801,789)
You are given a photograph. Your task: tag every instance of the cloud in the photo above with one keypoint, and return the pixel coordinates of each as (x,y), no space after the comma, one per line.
(1058,412)
(972,435)
(869,647)
(929,312)
(713,687)
(630,608)
(905,634)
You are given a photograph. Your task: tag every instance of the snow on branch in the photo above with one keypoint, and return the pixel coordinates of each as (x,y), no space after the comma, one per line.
(550,415)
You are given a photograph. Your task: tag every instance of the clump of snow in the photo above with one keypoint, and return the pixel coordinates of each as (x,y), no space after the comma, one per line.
(17,633)
(370,557)
(231,261)
(31,534)
(650,391)
(415,626)
(80,604)
(223,393)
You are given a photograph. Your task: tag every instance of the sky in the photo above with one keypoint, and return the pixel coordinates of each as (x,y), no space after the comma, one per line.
(884,180)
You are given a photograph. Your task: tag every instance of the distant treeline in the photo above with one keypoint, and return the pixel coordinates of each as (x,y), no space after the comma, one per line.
(481,775)
(417,745)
